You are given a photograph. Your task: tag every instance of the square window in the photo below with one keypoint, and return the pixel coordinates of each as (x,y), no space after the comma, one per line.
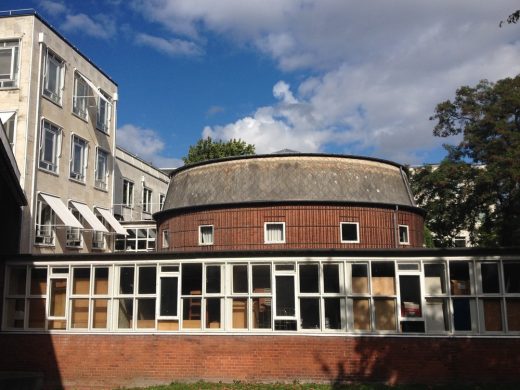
(78,158)
(9,63)
(403,235)
(206,235)
(49,147)
(53,78)
(349,232)
(274,232)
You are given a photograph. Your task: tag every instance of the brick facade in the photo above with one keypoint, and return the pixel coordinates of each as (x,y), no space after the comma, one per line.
(306,227)
(108,361)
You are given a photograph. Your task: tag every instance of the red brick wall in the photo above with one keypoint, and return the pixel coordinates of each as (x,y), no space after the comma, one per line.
(110,361)
(307,227)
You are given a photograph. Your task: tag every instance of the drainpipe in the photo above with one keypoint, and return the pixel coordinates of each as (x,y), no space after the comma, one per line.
(115,99)
(36,144)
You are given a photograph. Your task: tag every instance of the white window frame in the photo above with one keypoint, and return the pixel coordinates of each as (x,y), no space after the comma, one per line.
(103,113)
(101,178)
(81,97)
(147,200)
(165,239)
(57,133)
(44,232)
(74,236)
(11,80)
(54,93)
(201,236)
(78,173)
(407,242)
(128,193)
(162,199)
(98,240)
(266,236)
(357,240)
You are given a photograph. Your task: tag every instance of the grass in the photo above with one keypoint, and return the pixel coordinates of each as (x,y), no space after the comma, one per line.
(237,385)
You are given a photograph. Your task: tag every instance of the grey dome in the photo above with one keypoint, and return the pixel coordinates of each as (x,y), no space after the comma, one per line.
(286,178)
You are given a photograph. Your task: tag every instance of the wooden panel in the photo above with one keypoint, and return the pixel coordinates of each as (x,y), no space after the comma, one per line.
(79,317)
(492,315)
(167,325)
(239,313)
(361,310)
(385,314)
(383,285)
(99,312)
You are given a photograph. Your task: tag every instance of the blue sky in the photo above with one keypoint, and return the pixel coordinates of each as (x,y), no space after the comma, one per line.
(333,76)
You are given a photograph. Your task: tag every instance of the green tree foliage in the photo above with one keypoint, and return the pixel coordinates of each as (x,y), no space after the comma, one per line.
(477,186)
(207,149)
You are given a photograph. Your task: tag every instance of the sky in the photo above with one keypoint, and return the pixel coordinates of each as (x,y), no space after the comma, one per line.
(325,76)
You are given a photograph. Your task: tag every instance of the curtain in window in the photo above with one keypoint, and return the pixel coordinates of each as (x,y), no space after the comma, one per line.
(274,233)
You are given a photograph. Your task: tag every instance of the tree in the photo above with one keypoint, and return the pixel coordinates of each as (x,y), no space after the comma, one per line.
(477,186)
(513,18)
(207,149)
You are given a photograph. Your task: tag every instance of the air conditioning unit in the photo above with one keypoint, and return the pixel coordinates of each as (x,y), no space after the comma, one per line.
(42,239)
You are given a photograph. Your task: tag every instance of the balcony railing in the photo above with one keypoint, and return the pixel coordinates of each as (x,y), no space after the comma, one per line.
(136,211)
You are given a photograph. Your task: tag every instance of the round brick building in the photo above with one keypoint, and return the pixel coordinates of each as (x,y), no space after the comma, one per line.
(289,201)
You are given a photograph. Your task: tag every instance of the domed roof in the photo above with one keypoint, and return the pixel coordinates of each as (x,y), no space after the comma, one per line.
(288,178)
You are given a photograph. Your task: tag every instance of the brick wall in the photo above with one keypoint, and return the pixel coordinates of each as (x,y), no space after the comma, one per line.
(110,361)
(307,227)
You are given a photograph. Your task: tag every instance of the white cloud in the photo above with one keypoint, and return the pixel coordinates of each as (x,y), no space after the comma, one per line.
(52,7)
(146,144)
(172,47)
(378,68)
(103,27)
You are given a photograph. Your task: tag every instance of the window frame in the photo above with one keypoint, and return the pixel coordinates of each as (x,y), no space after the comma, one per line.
(407,242)
(267,241)
(343,241)
(55,96)
(103,126)
(201,240)
(57,135)
(128,193)
(47,239)
(74,175)
(74,236)
(80,103)
(10,127)
(146,204)
(101,184)
(12,45)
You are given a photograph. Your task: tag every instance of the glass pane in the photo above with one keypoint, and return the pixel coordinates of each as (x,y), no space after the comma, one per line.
(100,313)
(168,303)
(101,281)
(310,313)
(463,314)
(349,232)
(333,310)
(191,279)
(191,313)
(459,278)
(58,296)
(261,278)
(284,267)
(412,326)
(285,296)
(309,278)
(126,313)
(359,278)
(146,313)
(492,309)
(489,273)
(15,313)
(213,313)
(436,313)
(512,277)
(239,313)
(147,280)
(126,280)
(361,312)
(262,313)
(385,318)
(285,325)
(331,278)
(513,314)
(17,278)
(81,281)
(383,278)
(213,279)
(36,313)
(409,287)
(38,281)
(79,313)
(434,279)
(240,279)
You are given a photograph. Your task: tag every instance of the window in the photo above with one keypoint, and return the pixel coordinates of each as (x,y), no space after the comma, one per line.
(45,222)
(9,63)
(103,113)
(162,198)
(78,158)
(98,240)
(81,96)
(128,193)
(50,147)
(137,239)
(74,239)
(53,77)
(403,235)
(101,169)
(147,200)
(274,232)
(206,235)
(9,121)
(349,232)
(165,243)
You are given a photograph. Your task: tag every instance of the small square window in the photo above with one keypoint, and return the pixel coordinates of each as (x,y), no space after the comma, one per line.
(206,235)
(349,232)
(403,235)
(274,232)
